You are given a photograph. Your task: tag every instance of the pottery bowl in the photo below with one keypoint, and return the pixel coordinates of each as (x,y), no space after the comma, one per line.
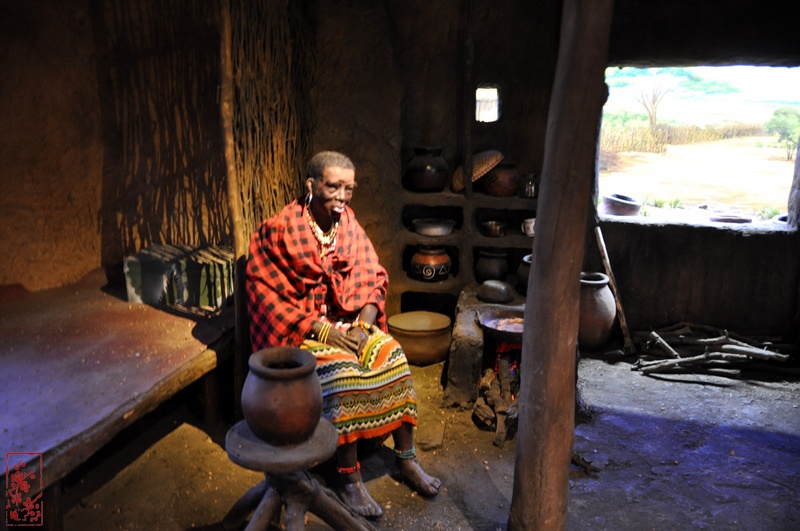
(433,226)
(493,228)
(424,336)
(620,205)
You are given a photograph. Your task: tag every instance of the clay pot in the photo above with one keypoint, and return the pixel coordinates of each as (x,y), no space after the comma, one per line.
(282,396)
(493,228)
(491,265)
(523,273)
(424,336)
(427,171)
(620,205)
(502,181)
(430,264)
(597,311)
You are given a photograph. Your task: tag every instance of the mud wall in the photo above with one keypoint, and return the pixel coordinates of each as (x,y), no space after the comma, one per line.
(744,280)
(51,148)
(111,136)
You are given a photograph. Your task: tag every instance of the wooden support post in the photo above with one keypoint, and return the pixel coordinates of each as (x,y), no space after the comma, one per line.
(240,237)
(547,396)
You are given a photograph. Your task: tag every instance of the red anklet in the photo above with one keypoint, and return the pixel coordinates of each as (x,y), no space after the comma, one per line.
(349,469)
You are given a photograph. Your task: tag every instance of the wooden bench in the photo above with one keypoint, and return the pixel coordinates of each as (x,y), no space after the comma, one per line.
(80,364)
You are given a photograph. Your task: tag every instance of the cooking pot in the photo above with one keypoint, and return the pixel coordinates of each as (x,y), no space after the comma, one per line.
(504,325)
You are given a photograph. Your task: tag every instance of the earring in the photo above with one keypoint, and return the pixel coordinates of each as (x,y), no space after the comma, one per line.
(308,199)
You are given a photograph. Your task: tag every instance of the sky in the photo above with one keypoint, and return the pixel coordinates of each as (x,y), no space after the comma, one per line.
(761,91)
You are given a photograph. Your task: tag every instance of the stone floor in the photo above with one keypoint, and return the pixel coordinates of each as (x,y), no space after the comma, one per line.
(674,452)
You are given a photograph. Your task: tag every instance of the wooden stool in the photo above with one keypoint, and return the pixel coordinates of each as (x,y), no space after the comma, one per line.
(287,481)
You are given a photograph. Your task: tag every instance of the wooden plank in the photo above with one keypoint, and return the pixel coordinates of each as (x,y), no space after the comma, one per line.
(547,396)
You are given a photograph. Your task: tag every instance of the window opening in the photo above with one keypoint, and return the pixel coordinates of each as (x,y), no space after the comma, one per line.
(487,103)
(698,143)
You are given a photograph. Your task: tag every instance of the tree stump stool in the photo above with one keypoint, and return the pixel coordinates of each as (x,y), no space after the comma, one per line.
(287,481)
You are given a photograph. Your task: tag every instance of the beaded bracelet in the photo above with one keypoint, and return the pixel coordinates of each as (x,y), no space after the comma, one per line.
(411,453)
(349,469)
(358,323)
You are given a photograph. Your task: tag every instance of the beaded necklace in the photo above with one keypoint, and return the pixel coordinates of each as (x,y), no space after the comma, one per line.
(327,240)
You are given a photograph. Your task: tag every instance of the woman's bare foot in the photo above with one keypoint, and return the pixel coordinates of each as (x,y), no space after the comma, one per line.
(354,494)
(410,471)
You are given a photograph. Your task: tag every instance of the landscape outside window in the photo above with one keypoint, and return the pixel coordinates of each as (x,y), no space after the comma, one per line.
(696,144)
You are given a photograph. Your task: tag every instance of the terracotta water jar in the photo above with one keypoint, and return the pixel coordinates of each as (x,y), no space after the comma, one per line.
(282,396)
(430,264)
(427,171)
(597,311)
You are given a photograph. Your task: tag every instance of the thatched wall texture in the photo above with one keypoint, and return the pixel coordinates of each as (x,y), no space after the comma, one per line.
(163,174)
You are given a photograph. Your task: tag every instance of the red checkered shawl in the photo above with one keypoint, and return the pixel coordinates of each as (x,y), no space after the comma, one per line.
(289,286)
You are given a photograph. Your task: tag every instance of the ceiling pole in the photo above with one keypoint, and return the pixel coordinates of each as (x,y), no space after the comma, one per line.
(547,395)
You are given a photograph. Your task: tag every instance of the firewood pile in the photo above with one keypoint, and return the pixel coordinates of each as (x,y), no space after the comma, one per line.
(696,348)
(496,406)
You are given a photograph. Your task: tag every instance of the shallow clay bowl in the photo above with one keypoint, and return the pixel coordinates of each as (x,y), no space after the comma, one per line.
(424,336)
(433,226)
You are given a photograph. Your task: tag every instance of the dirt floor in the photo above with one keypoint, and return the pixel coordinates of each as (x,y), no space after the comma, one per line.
(674,452)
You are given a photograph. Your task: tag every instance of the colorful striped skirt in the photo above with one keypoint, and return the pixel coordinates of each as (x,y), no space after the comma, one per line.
(367,397)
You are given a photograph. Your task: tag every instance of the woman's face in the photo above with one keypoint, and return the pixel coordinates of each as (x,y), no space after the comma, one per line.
(331,193)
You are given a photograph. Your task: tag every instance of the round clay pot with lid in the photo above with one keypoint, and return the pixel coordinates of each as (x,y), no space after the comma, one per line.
(427,171)
(502,181)
(430,264)
(282,395)
(598,310)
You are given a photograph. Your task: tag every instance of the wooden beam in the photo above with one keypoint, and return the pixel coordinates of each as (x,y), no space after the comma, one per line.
(547,397)
(240,236)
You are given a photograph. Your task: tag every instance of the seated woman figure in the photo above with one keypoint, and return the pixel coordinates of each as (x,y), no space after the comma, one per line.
(314,281)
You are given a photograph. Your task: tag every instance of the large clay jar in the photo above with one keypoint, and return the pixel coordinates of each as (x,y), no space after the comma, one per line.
(282,396)
(427,171)
(502,181)
(491,265)
(523,272)
(430,264)
(597,311)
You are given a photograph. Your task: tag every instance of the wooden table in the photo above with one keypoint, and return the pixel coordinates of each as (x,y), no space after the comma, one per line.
(79,364)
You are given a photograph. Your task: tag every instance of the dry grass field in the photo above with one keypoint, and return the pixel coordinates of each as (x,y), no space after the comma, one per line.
(747,176)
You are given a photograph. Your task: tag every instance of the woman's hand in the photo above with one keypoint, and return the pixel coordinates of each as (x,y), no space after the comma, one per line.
(360,336)
(345,342)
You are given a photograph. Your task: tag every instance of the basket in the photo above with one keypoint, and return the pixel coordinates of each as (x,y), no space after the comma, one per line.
(482,163)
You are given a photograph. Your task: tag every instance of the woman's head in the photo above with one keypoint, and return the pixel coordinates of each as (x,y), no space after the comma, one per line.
(330,181)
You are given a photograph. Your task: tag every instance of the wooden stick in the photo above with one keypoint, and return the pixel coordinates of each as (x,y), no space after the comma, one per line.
(664,345)
(628,346)
(755,352)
